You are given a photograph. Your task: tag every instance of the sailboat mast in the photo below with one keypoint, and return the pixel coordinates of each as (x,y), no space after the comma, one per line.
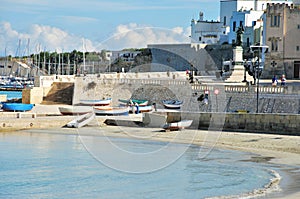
(5,65)
(83,46)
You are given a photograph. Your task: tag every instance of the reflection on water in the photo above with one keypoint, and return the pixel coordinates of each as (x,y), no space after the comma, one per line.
(41,165)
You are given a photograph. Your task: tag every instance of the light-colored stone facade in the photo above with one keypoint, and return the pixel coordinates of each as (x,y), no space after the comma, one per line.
(282,29)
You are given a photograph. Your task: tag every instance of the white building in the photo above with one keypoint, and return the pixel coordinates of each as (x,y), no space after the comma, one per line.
(227,7)
(207,32)
(127,56)
(233,13)
(247,19)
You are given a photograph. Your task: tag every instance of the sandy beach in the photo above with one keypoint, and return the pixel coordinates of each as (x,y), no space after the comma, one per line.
(278,149)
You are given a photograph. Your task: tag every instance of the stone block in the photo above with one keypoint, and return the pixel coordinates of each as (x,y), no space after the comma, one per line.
(3,98)
(32,95)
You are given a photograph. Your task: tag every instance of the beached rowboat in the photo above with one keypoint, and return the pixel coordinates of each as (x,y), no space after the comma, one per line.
(133,101)
(172,104)
(75,110)
(111,110)
(81,120)
(103,102)
(177,125)
(17,107)
(142,109)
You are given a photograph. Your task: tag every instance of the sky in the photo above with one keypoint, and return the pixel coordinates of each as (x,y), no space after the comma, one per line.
(32,26)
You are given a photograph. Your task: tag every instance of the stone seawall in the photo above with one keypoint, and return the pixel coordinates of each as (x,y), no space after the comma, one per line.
(230,98)
(286,124)
(153,90)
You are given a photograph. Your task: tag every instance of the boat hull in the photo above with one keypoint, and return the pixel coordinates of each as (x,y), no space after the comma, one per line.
(172,104)
(133,101)
(104,102)
(81,121)
(112,111)
(142,109)
(178,125)
(17,107)
(75,110)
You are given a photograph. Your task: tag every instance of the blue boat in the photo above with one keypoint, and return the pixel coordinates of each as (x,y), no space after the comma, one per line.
(17,107)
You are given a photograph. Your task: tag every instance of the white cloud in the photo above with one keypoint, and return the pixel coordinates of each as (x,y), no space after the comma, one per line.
(41,38)
(54,39)
(139,36)
(77,19)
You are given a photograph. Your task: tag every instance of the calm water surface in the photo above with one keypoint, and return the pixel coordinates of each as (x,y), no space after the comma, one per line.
(41,165)
(12,94)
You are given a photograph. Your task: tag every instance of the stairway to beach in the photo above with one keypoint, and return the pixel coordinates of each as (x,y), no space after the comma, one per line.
(60,93)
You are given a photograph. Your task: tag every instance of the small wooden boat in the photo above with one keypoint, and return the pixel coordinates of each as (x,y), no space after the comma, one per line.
(75,110)
(17,107)
(133,101)
(81,120)
(104,102)
(111,110)
(142,109)
(172,104)
(177,125)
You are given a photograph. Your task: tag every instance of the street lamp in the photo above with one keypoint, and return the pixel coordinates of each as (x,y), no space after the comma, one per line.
(258,69)
(245,69)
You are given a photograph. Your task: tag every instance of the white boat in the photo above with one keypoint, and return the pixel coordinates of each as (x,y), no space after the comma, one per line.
(172,104)
(178,125)
(111,110)
(103,102)
(133,101)
(81,120)
(75,110)
(142,109)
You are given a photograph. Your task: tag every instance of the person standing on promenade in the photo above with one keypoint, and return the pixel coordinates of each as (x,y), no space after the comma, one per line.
(274,81)
(283,80)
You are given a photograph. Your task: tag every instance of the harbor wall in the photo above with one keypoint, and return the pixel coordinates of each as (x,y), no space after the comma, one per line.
(142,87)
(230,98)
(286,124)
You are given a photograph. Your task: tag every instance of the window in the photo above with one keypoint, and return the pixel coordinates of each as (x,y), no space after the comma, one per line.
(234,26)
(298,48)
(274,45)
(248,42)
(298,26)
(275,20)
(200,38)
(241,23)
(224,23)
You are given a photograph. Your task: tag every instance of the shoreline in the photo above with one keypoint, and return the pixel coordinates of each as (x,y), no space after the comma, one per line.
(280,150)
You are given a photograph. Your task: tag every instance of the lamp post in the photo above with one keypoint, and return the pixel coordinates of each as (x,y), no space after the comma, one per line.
(216,92)
(245,67)
(257,68)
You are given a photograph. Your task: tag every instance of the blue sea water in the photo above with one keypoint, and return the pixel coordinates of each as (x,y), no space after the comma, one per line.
(12,94)
(41,165)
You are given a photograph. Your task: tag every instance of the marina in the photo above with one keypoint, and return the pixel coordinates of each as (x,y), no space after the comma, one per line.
(15,83)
